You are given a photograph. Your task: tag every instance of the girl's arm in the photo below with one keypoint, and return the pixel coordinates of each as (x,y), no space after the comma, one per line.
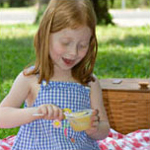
(100,127)
(11,115)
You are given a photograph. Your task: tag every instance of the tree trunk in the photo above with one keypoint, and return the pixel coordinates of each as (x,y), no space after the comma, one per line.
(101,9)
(42,4)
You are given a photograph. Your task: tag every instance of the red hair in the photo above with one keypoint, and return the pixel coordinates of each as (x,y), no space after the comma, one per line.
(62,14)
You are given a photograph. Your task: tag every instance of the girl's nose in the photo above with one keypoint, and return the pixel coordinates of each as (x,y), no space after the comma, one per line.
(73,51)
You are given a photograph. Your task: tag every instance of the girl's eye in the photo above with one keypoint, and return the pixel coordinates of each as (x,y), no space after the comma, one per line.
(65,43)
(83,47)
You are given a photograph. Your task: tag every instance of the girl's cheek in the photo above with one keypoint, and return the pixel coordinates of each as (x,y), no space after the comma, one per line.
(56,53)
(83,54)
(59,50)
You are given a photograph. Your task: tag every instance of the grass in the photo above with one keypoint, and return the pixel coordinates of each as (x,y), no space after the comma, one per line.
(123,53)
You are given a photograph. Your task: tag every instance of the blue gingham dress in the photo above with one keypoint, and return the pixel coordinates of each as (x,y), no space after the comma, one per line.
(41,134)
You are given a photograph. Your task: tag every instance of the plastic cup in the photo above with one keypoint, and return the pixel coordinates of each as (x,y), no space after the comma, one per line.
(80,120)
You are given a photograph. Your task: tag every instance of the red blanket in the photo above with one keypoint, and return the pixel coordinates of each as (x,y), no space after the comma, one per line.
(138,140)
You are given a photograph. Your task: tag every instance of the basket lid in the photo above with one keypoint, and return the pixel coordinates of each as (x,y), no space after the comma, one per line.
(127,84)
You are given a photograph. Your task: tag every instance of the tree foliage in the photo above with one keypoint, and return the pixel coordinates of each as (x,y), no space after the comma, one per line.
(17,3)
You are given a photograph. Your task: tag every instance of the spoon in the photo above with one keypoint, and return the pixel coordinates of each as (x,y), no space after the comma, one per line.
(38,114)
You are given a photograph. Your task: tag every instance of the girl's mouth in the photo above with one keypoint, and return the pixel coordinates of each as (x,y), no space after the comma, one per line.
(68,62)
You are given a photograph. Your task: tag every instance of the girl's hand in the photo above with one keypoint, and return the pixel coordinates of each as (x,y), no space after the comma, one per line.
(50,112)
(95,120)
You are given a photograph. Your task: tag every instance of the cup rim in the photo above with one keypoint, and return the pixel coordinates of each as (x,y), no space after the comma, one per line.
(72,115)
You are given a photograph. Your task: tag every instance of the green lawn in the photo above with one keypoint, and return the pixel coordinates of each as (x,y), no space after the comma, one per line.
(123,53)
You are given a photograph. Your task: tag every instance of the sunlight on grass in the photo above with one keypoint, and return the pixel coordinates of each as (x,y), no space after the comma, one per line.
(17,31)
(123,52)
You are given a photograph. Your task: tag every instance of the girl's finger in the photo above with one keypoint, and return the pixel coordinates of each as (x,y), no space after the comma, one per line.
(55,112)
(95,124)
(43,110)
(61,114)
(95,118)
(50,112)
(95,112)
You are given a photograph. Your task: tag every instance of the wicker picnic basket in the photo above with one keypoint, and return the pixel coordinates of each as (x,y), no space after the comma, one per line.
(127,104)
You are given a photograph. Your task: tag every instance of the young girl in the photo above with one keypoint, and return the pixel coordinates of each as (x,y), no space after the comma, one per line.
(60,81)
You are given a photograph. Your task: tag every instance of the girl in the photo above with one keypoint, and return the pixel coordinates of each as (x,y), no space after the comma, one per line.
(61,80)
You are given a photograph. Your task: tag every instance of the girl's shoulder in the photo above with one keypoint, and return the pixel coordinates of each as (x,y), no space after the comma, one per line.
(25,80)
(29,78)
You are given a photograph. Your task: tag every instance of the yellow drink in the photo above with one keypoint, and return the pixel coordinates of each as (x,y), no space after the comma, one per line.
(81,120)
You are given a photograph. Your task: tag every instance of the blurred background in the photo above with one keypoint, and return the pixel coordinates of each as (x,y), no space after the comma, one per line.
(29,11)
(123,32)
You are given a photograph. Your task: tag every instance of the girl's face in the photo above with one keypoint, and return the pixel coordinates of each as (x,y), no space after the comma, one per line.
(69,46)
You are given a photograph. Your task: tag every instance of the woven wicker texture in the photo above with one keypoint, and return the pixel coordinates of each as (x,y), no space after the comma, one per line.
(127,105)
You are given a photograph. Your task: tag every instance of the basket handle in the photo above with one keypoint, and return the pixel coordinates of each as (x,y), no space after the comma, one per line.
(143,85)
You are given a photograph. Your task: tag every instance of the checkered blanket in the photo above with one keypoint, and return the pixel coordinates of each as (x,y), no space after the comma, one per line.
(138,140)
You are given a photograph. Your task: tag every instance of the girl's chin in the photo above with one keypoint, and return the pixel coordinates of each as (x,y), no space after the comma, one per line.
(64,68)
